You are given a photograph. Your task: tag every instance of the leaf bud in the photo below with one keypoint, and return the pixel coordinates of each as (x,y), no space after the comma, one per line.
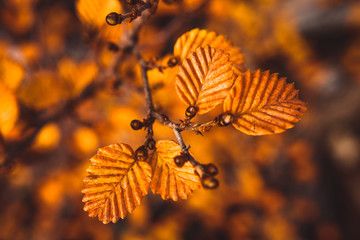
(225,119)
(173,62)
(151,144)
(211,169)
(181,160)
(209,182)
(141,153)
(191,111)
(113,19)
(136,124)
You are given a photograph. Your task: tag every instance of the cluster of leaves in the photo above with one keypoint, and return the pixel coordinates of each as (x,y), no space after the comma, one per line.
(211,72)
(65,92)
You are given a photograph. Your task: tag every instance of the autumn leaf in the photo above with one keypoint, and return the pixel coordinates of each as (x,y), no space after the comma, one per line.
(169,180)
(195,38)
(44,90)
(93,12)
(116,183)
(76,76)
(8,110)
(48,137)
(11,72)
(205,78)
(263,104)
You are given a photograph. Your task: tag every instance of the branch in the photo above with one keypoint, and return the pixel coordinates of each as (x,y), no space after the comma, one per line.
(177,128)
(128,40)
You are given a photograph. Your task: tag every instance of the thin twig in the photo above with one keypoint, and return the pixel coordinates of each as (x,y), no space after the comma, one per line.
(128,39)
(177,128)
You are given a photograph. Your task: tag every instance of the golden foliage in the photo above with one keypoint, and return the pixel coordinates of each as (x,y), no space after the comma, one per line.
(169,180)
(116,183)
(8,110)
(43,90)
(92,13)
(268,185)
(11,72)
(263,104)
(17,16)
(31,51)
(76,76)
(85,140)
(195,38)
(205,78)
(48,137)
(301,154)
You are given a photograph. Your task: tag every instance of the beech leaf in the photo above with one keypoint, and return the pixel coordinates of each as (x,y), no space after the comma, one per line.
(116,183)
(9,111)
(195,38)
(11,72)
(93,12)
(205,78)
(263,104)
(169,180)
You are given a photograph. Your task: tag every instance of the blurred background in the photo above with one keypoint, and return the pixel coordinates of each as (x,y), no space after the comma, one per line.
(61,98)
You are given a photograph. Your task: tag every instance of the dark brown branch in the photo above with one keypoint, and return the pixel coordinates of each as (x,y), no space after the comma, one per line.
(148,97)
(177,128)
(128,40)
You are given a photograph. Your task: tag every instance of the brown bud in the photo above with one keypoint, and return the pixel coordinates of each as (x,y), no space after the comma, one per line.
(136,124)
(151,144)
(211,169)
(173,62)
(141,153)
(181,160)
(209,182)
(225,119)
(191,111)
(113,19)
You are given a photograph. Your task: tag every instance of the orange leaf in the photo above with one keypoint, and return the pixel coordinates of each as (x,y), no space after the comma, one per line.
(44,90)
(205,78)
(93,12)
(169,180)
(263,104)
(11,72)
(116,183)
(195,38)
(76,76)
(8,110)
